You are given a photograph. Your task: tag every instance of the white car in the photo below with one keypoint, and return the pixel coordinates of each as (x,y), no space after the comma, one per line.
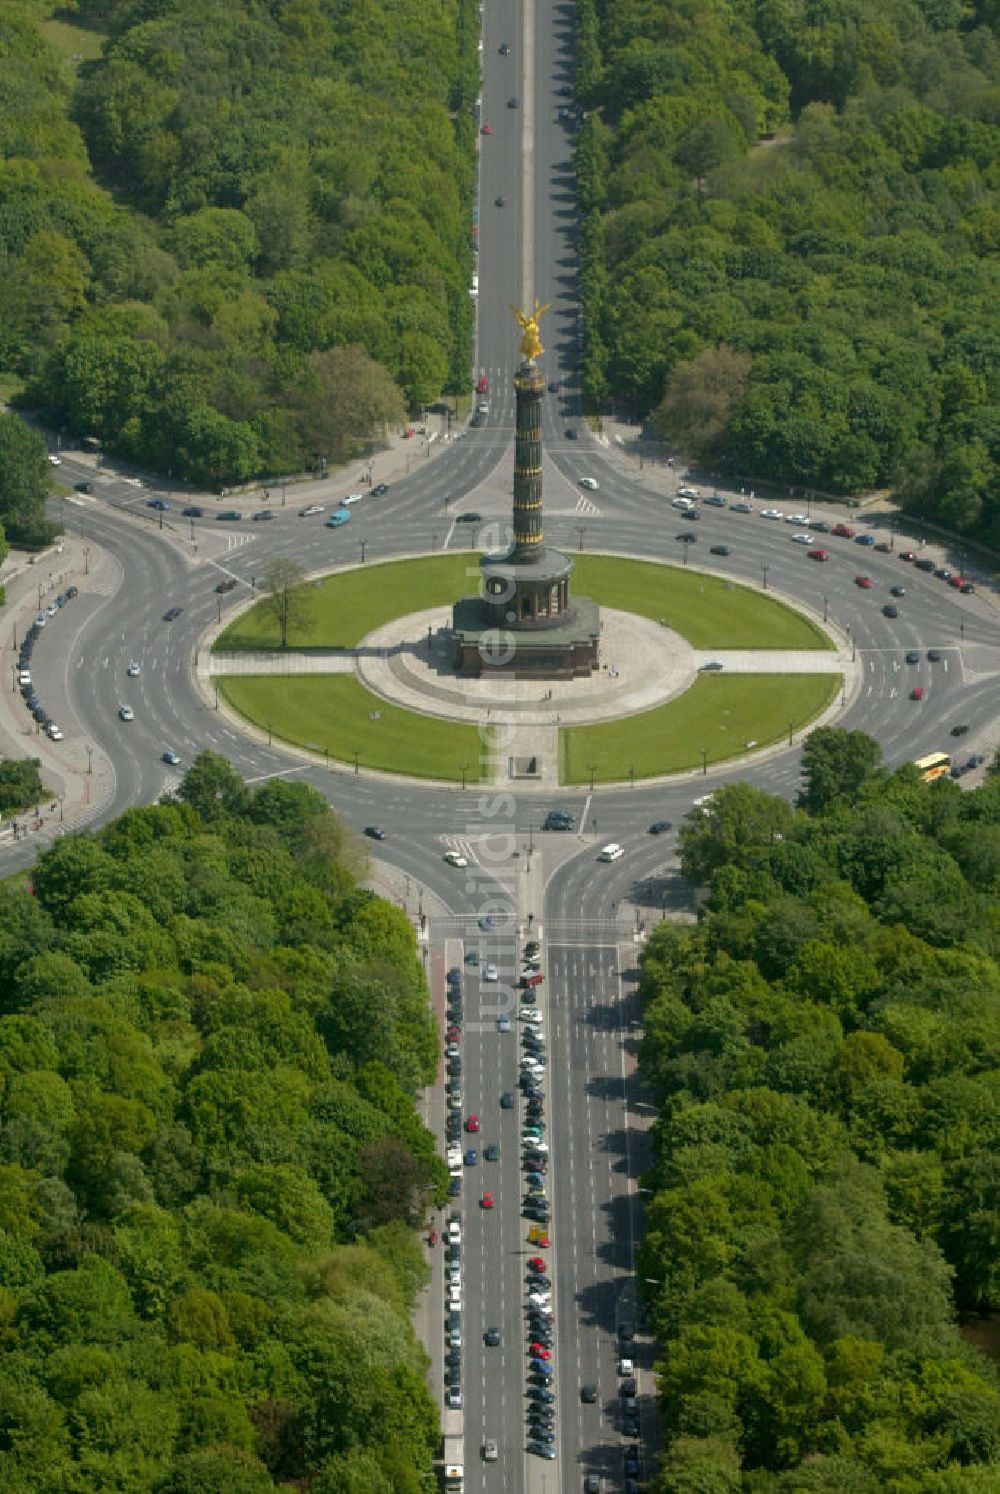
(626,1367)
(171,759)
(455,858)
(455,1396)
(41,620)
(531,1063)
(611,852)
(454,1339)
(133,669)
(24,676)
(689,492)
(682,503)
(796,518)
(503,1024)
(310,509)
(491,973)
(771,513)
(54,732)
(454,1232)
(56,461)
(490,1450)
(454,1156)
(589,483)
(531,1014)
(803,539)
(540,1299)
(351,499)
(455,1275)
(126,713)
(532,1144)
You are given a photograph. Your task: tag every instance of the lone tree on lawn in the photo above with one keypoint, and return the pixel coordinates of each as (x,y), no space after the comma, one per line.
(285,596)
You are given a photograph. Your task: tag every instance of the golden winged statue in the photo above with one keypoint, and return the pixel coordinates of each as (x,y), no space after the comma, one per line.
(531,343)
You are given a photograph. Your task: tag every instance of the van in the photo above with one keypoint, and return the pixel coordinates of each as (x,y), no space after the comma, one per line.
(229,516)
(612,852)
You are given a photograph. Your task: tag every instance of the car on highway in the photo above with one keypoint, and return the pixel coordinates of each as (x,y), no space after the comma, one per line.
(660,827)
(771,513)
(471,1157)
(908,555)
(229,583)
(796,518)
(802,539)
(897,591)
(193,511)
(742,507)
(126,713)
(864,582)
(912,656)
(934,655)
(719,550)
(588,1395)
(375,832)
(917,693)
(470,517)
(133,669)
(53,732)
(960,731)
(689,492)
(487,922)
(924,564)
(943,573)
(264,513)
(455,858)
(487,128)
(491,1338)
(472,1124)
(712,667)
(54,460)
(611,852)
(490,1450)
(491,973)
(487,1201)
(228,516)
(512,102)
(491,1153)
(864,539)
(558,819)
(380,489)
(507,1100)
(310,509)
(817,554)
(337,518)
(890,610)
(590,483)
(158,503)
(503,1024)
(570,433)
(454,1399)
(686,537)
(170,758)
(172,613)
(843,531)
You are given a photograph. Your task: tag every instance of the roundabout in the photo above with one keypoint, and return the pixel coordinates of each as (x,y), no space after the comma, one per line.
(396,701)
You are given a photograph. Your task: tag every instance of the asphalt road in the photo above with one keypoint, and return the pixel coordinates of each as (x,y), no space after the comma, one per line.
(597,1122)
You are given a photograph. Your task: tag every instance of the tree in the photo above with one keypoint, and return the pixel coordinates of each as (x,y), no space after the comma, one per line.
(700,397)
(24,483)
(212,787)
(835,763)
(286,598)
(20,781)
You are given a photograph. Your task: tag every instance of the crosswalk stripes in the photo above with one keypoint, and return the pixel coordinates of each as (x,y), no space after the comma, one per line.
(464,847)
(587,506)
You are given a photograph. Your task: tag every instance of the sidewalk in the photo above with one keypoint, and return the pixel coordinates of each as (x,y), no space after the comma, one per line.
(76,774)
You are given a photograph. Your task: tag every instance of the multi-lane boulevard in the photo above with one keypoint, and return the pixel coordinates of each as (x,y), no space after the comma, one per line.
(585,912)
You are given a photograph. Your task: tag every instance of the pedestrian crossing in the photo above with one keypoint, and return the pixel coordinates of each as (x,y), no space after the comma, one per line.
(587,506)
(464,847)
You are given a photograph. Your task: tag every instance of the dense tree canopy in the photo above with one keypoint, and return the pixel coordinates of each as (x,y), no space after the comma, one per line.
(823,1048)
(792,220)
(238,242)
(208,1178)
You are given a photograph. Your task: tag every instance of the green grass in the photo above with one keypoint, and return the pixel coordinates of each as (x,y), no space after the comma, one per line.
(719,714)
(707,611)
(73,39)
(333,712)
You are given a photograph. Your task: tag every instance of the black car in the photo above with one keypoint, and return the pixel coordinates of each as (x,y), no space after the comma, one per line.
(455,1188)
(632,1464)
(172,613)
(943,573)
(229,584)
(531,949)
(83,487)
(374,832)
(660,827)
(570,434)
(491,1153)
(512,102)
(897,591)
(687,538)
(71,591)
(966,588)
(924,565)
(504,49)
(380,489)
(960,731)
(469,518)
(934,655)
(626,1387)
(539,1393)
(588,1395)
(507,1100)
(453,1357)
(492,1338)
(626,1333)
(719,550)
(499,201)
(630,1426)
(264,513)
(192,511)
(889,610)
(912,656)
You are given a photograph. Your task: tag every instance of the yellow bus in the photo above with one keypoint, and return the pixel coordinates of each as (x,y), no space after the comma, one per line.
(934,765)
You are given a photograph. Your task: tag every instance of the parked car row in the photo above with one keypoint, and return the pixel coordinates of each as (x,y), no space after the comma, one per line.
(25,683)
(535,1207)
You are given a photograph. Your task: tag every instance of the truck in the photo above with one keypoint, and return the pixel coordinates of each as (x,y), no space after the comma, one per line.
(454,1453)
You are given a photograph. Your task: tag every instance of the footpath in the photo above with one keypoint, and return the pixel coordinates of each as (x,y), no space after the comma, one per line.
(76,773)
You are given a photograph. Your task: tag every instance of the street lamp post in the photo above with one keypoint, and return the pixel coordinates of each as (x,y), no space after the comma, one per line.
(356,755)
(591,769)
(631,775)
(826,609)
(363,543)
(90,758)
(764,568)
(86,560)
(269,733)
(581,530)
(464,770)
(704,762)
(791,729)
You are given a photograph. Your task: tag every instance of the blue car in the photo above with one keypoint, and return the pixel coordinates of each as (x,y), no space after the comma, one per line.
(471,1157)
(338,517)
(864,539)
(160,503)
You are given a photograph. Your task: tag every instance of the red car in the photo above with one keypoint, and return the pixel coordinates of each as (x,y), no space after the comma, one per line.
(538,1352)
(844,530)
(487,128)
(454,1033)
(817,555)
(543,1242)
(917,693)
(956,581)
(863,581)
(536,1263)
(527,982)
(486,1202)
(472,1124)
(482,385)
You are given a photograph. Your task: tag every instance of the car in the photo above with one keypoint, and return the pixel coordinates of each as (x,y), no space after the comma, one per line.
(714,500)
(486,922)
(923,564)
(897,591)
(264,513)
(486,1202)
(626,1333)
(133,669)
(592,1481)
(771,513)
(193,511)
(491,1153)
(632,1463)
(472,957)
(570,433)
(943,573)
(796,518)
(504,49)
(507,1100)
(472,1124)
(453,1358)
(719,550)
(660,827)
(471,1157)
(712,667)
(470,517)
(820,526)
(960,731)
(503,1024)
(975,761)
(337,518)
(228,516)
(889,610)
(686,537)
(817,555)
(455,1188)
(934,655)
(967,588)
(490,1450)
(229,583)
(126,713)
(611,852)
(540,1449)
(310,509)
(54,460)
(172,613)
(589,483)
(907,555)
(742,507)
(917,693)
(843,531)
(864,539)
(454,1399)
(487,128)
(912,657)
(542,1396)
(23,677)
(491,1338)
(483,406)
(491,973)
(380,489)
(802,539)
(530,1014)
(499,200)
(83,487)
(512,102)
(864,582)
(53,732)
(588,1395)
(630,1426)
(170,758)
(883,547)
(533,947)
(688,492)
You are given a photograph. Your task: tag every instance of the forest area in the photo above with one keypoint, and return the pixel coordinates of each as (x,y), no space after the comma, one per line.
(211,1163)
(790,224)
(235,243)
(822,1048)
